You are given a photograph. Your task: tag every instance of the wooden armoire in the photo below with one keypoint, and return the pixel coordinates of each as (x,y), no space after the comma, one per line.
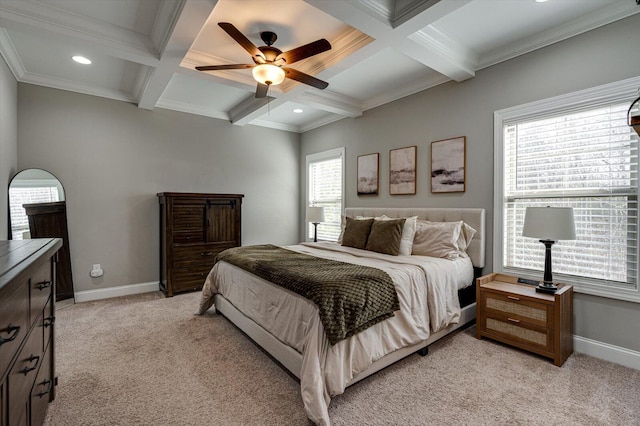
(194,228)
(49,220)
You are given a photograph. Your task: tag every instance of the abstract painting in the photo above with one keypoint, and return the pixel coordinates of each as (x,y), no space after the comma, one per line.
(448,164)
(368,174)
(402,170)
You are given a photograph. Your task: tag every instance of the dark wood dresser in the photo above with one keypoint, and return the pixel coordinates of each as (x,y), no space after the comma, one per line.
(194,228)
(27,317)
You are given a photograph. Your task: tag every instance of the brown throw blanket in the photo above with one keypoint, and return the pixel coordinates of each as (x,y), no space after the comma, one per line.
(350,298)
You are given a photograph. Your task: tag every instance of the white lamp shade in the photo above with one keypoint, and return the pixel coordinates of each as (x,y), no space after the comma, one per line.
(315,214)
(549,223)
(268,74)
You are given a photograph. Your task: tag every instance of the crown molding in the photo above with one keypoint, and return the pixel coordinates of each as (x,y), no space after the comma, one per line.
(321,122)
(588,22)
(72,86)
(405,91)
(277,126)
(10,55)
(191,109)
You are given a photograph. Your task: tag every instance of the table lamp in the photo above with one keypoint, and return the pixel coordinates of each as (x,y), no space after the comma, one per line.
(315,215)
(549,224)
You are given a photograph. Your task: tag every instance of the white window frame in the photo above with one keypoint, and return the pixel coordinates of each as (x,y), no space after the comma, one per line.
(321,156)
(622,91)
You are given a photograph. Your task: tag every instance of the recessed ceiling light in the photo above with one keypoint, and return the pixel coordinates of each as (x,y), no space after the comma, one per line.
(298,110)
(81,60)
(541,1)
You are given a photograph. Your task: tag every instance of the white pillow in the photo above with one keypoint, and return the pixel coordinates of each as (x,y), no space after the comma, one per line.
(437,239)
(465,237)
(408,232)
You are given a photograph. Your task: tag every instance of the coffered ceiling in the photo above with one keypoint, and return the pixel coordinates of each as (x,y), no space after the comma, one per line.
(145,51)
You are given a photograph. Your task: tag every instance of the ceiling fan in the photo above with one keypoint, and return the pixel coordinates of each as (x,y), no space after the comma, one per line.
(269,62)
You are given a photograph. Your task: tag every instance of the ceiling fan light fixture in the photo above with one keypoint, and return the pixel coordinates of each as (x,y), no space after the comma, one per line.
(268,74)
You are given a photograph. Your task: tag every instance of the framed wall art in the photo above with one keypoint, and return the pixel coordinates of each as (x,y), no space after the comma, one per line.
(448,165)
(368,174)
(402,170)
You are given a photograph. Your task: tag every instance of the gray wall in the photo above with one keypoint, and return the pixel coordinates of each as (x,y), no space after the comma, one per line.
(8,140)
(113,158)
(454,109)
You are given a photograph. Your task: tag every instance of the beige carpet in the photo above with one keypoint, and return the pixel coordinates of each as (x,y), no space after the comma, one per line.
(147,360)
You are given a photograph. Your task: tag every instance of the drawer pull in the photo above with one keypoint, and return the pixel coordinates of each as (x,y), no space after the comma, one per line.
(202,274)
(49,384)
(513,320)
(49,321)
(15,329)
(513,298)
(32,358)
(209,253)
(44,284)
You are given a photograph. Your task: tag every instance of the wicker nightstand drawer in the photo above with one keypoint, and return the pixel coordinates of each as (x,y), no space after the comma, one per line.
(513,305)
(515,314)
(519,333)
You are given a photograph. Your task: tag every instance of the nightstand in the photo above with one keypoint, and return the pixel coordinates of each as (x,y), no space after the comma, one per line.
(515,314)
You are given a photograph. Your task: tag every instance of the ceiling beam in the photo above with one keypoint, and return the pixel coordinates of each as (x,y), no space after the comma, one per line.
(439,52)
(331,102)
(191,19)
(411,33)
(249,109)
(51,22)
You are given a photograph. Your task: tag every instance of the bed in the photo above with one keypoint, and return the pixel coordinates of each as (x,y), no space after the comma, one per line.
(437,297)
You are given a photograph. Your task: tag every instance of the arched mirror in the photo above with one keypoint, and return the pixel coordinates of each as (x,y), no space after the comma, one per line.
(37,209)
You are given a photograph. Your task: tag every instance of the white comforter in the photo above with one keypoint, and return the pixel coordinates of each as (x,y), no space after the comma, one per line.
(427,290)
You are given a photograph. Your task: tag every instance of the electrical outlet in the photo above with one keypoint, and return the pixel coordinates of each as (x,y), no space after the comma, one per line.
(96,271)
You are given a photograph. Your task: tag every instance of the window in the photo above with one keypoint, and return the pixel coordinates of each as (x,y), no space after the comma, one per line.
(571,151)
(29,194)
(325,180)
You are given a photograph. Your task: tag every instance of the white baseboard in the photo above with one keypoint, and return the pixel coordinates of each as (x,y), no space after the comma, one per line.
(627,357)
(123,290)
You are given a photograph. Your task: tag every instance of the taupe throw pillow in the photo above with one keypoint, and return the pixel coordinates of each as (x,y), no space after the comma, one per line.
(385,236)
(356,232)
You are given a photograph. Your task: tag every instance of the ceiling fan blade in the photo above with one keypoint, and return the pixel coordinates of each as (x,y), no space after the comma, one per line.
(305,78)
(241,39)
(305,51)
(224,67)
(261,90)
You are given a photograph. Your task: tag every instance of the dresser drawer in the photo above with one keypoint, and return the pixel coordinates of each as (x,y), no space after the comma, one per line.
(190,278)
(193,236)
(14,321)
(41,289)
(518,308)
(23,374)
(41,392)
(47,323)
(187,256)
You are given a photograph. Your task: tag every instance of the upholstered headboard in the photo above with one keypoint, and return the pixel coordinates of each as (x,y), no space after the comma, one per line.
(473,217)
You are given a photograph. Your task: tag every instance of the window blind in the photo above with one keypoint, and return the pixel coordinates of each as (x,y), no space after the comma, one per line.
(586,159)
(325,179)
(27,195)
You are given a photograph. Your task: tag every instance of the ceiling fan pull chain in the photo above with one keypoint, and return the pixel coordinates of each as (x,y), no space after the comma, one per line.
(268,100)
